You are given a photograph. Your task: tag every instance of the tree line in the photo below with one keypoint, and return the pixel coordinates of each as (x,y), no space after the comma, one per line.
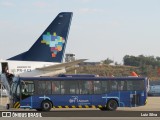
(137,61)
(141,60)
(147,65)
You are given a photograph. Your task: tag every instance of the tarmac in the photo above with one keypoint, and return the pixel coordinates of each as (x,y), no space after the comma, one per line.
(122,113)
(153,104)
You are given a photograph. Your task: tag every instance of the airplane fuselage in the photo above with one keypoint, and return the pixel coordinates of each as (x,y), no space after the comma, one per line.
(23,68)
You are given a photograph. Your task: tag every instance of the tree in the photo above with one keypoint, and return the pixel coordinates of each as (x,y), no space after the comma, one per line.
(107,61)
(131,60)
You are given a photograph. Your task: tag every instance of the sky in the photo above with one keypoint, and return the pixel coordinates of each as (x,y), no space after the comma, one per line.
(100,29)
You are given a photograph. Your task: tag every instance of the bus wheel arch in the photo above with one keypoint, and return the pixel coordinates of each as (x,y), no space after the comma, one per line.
(112,104)
(46,105)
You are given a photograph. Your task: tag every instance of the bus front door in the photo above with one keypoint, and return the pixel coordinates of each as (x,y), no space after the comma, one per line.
(27,90)
(135,99)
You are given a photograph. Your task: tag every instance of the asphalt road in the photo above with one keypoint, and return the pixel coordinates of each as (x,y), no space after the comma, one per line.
(84,118)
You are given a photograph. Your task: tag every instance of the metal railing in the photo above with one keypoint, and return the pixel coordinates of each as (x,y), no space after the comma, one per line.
(4,91)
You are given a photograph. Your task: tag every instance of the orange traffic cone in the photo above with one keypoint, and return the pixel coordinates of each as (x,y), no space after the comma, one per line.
(134,74)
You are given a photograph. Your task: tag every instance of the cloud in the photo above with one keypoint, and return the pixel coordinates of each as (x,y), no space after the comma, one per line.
(90,10)
(40,4)
(86,1)
(115,24)
(7,4)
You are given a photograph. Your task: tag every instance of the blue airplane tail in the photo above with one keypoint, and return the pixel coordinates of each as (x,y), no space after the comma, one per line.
(50,46)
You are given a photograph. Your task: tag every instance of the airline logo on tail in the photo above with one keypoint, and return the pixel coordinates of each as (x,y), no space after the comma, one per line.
(54,42)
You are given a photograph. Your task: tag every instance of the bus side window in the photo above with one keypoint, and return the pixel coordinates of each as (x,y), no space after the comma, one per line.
(114,85)
(41,87)
(82,87)
(90,87)
(105,86)
(44,87)
(30,88)
(69,87)
(129,85)
(86,87)
(27,87)
(125,85)
(135,85)
(97,87)
(48,87)
(55,87)
(121,85)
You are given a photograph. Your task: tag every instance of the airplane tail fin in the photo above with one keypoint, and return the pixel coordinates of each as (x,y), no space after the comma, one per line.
(50,46)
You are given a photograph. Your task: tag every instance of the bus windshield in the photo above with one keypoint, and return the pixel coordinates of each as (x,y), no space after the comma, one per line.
(14,86)
(27,87)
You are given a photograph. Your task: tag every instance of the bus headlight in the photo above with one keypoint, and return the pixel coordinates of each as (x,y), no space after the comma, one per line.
(146,102)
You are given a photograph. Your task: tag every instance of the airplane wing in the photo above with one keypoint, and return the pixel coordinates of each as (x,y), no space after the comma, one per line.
(61,65)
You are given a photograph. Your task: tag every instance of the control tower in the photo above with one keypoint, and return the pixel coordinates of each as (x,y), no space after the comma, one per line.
(69,57)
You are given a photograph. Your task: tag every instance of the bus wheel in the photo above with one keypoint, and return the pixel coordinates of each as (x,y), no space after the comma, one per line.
(46,105)
(112,105)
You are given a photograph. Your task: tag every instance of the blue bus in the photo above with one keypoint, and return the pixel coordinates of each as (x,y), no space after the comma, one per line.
(76,91)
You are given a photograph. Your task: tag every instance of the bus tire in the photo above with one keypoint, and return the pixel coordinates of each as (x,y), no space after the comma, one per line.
(46,105)
(112,105)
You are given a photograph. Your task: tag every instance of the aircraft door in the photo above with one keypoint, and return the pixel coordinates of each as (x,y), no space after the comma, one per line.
(4,67)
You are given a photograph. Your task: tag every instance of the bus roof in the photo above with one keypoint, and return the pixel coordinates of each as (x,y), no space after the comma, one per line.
(82,78)
(77,75)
